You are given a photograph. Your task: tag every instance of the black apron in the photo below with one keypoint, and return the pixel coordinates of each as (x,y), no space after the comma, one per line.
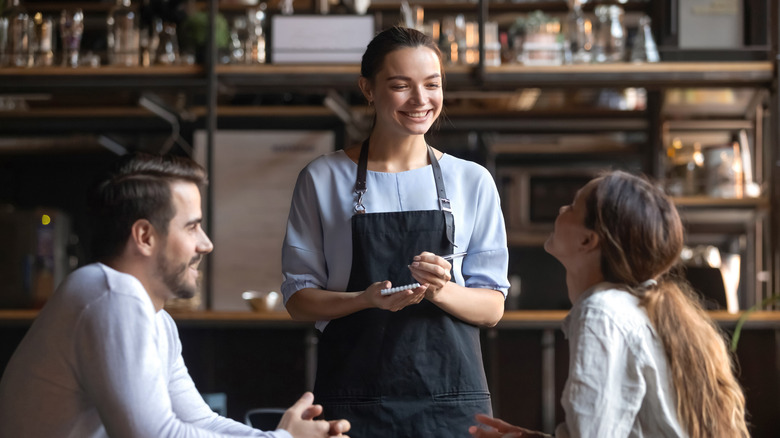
(413,373)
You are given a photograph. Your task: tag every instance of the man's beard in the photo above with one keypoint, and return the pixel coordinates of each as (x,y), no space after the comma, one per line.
(174,278)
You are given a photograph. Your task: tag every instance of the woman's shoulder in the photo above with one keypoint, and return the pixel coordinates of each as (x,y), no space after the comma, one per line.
(335,161)
(464,168)
(608,296)
(614,304)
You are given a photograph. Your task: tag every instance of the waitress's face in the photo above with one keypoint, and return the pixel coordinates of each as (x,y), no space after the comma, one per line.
(407,92)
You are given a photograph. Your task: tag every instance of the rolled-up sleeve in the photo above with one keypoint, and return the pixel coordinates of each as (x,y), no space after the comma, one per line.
(487,262)
(303,259)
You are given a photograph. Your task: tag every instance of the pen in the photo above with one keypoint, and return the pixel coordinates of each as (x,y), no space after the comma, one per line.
(448,257)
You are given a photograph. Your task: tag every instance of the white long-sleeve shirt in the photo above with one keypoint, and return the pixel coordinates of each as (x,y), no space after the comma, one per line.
(100,361)
(618,384)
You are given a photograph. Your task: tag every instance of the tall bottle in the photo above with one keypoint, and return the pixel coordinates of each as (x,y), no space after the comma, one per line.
(123,34)
(15,48)
(644,49)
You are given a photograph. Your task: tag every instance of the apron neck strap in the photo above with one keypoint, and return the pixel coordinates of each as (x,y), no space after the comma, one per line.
(444,202)
(360,183)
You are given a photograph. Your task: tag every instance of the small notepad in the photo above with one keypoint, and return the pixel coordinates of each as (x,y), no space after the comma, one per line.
(393,290)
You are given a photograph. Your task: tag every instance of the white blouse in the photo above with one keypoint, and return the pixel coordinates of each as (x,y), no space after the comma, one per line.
(618,384)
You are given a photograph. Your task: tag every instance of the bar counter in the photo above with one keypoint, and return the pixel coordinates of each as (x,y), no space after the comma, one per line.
(513,319)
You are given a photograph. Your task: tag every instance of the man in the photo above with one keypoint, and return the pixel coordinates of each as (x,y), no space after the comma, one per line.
(103,358)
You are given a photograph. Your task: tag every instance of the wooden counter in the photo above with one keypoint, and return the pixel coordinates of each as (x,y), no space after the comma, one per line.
(513,319)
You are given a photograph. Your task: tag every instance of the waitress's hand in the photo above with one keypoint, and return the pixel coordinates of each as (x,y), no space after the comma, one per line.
(497,428)
(431,270)
(393,302)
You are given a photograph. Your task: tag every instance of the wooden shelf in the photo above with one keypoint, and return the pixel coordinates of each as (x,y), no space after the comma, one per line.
(42,79)
(78,113)
(339,76)
(620,75)
(677,74)
(532,319)
(326,76)
(710,202)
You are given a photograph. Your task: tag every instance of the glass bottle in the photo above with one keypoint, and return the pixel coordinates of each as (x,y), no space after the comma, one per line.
(578,35)
(254,45)
(123,34)
(644,48)
(71,30)
(43,53)
(611,37)
(168,46)
(15,49)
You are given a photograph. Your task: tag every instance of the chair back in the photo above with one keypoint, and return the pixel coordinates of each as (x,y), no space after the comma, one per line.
(264,418)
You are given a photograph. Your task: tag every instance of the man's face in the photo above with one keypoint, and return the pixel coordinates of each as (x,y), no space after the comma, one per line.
(185,244)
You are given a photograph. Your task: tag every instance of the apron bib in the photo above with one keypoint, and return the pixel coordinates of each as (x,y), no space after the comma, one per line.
(413,373)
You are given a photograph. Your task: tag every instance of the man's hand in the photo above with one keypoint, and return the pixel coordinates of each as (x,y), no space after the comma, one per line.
(299,421)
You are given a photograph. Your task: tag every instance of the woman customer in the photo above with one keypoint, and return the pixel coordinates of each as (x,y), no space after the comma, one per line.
(381,215)
(645,359)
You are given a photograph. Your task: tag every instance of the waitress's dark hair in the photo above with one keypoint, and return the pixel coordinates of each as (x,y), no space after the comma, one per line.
(392,39)
(641,237)
(138,188)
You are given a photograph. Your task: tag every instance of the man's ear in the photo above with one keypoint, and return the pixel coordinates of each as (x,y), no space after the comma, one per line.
(144,236)
(365,87)
(590,241)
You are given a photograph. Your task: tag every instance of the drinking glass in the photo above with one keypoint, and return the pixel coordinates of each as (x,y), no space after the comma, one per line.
(71,29)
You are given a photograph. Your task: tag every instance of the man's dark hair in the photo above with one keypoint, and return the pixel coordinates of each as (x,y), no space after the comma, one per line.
(138,188)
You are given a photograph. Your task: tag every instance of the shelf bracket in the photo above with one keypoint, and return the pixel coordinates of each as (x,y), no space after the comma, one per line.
(357,126)
(112,145)
(152,104)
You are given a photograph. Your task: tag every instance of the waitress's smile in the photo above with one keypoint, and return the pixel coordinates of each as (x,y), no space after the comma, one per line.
(418,116)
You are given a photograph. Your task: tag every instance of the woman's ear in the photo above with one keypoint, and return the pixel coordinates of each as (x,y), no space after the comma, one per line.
(590,241)
(365,87)
(143,236)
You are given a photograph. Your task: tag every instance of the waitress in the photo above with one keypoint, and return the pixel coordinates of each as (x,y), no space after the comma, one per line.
(381,215)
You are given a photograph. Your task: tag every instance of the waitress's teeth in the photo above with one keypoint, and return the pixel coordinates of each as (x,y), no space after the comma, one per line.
(420,114)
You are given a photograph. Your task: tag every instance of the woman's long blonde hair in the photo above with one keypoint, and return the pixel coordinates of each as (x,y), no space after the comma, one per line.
(641,239)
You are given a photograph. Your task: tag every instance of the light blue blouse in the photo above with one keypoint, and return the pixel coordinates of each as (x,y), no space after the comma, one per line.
(317,250)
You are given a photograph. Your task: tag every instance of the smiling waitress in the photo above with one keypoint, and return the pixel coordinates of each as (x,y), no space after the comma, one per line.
(381,215)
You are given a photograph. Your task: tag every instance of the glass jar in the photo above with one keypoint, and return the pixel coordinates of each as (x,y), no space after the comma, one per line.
(123,39)
(15,36)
